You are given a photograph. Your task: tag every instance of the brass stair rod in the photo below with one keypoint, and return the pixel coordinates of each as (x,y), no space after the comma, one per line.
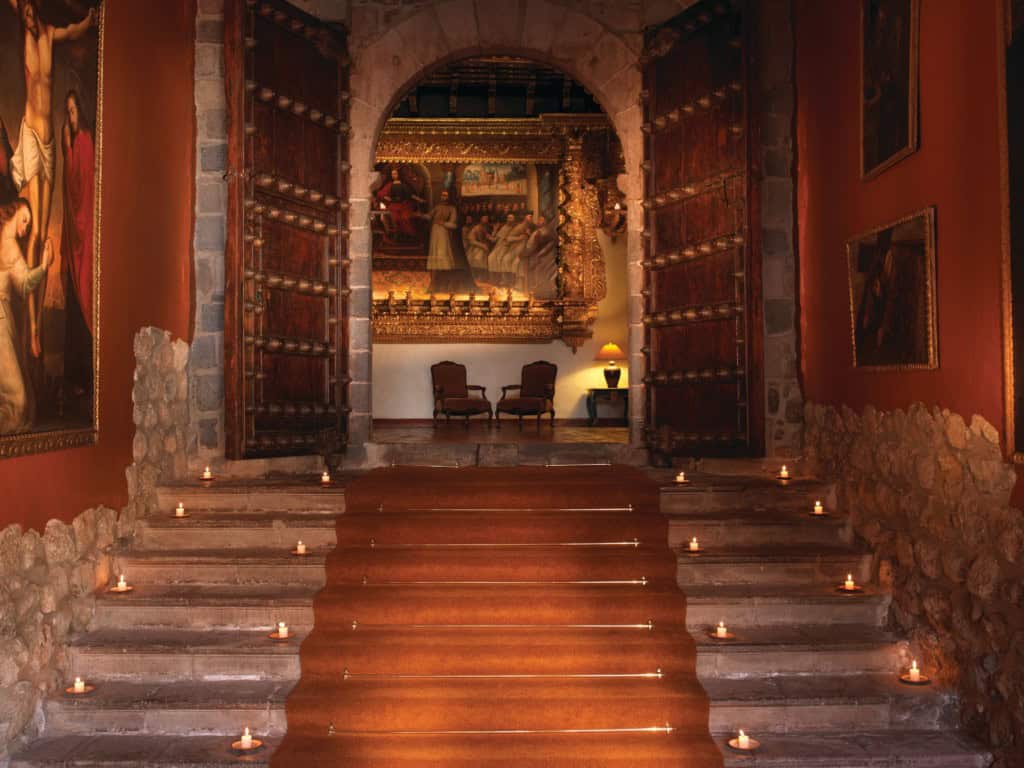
(666,728)
(656,675)
(648,625)
(627,508)
(642,581)
(633,543)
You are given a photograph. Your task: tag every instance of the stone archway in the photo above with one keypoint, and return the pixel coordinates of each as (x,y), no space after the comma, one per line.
(385,67)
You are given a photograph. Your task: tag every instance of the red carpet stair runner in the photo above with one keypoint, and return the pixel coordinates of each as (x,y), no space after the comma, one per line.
(525,617)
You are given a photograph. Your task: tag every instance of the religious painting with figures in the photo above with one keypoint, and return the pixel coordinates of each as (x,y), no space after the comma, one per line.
(892,294)
(889,50)
(51,69)
(448,229)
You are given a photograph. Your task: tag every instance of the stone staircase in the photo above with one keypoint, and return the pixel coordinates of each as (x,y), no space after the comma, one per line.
(812,673)
(183,663)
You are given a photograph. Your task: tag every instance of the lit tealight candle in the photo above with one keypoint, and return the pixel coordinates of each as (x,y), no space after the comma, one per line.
(122,584)
(325,478)
(282,629)
(914,673)
(681,477)
(207,474)
(247,739)
(849,584)
(783,473)
(300,548)
(720,630)
(179,511)
(742,740)
(694,545)
(79,686)
(818,509)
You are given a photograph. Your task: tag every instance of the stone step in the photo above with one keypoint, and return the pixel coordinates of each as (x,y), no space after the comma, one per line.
(812,703)
(287,496)
(133,751)
(209,607)
(810,650)
(239,530)
(767,605)
(757,526)
(710,492)
(797,565)
(862,749)
(261,566)
(179,708)
(171,654)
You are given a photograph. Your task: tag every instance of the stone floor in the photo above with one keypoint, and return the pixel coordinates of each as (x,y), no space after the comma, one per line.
(183,663)
(478,431)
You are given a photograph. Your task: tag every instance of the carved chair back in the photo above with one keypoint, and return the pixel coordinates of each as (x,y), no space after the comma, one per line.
(449,379)
(538,379)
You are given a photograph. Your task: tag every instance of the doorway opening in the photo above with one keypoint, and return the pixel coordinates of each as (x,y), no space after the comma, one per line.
(498,241)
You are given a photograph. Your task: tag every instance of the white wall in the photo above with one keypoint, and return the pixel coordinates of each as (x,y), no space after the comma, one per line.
(401,372)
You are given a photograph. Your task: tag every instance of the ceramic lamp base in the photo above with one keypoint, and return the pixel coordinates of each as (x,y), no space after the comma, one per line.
(611,377)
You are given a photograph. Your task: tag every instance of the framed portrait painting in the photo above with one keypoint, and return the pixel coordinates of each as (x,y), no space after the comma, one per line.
(892,294)
(889,72)
(51,65)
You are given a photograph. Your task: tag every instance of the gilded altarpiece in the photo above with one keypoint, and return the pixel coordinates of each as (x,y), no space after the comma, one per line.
(484,230)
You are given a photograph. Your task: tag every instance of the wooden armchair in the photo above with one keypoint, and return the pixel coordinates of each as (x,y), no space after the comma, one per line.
(536,393)
(452,393)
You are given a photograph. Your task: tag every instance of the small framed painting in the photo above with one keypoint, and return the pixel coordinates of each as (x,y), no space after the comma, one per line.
(892,294)
(889,100)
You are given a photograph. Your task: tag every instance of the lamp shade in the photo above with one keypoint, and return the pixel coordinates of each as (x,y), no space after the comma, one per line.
(610,351)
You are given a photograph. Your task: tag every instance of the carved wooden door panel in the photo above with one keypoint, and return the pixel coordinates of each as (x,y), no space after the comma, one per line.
(286,333)
(702,311)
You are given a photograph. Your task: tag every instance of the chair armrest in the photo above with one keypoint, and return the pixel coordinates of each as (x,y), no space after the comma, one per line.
(504,390)
(483,390)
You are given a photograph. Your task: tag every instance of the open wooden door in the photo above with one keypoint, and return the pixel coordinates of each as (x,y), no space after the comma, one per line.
(285,332)
(702,314)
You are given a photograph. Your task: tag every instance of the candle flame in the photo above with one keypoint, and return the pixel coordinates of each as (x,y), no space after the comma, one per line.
(742,734)
(913,664)
(247,732)
(849,577)
(721,625)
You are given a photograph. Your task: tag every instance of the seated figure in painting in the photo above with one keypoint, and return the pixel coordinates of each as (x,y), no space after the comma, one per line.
(498,240)
(17,281)
(538,268)
(401,203)
(446,259)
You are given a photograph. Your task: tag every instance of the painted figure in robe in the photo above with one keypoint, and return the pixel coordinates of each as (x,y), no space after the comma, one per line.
(17,281)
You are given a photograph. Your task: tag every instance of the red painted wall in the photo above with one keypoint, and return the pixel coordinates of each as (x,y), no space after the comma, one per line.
(146,249)
(957,169)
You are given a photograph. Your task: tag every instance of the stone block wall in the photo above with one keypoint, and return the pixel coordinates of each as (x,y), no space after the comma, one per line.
(48,582)
(207,365)
(47,586)
(930,493)
(777,102)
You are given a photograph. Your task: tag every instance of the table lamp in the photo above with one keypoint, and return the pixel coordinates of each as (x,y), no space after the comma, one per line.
(611,352)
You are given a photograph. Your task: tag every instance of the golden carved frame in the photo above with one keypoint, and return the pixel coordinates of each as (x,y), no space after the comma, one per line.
(549,139)
(26,443)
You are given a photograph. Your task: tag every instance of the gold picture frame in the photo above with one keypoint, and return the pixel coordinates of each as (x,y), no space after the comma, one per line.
(52,429)
(889,64)
(565,142)
(891,278)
